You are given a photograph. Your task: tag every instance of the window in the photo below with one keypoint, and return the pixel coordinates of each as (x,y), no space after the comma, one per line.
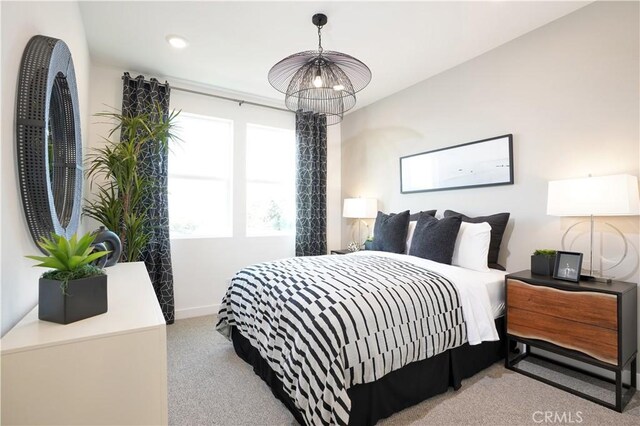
(200,170)
(270,180)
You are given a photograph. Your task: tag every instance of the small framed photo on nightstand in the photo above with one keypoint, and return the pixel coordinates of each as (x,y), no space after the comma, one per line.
(568,266)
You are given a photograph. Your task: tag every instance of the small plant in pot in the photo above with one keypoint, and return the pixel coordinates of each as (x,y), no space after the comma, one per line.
(543,261)
(368,244)
(74,288)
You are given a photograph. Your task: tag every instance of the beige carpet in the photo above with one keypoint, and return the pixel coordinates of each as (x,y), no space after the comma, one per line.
(210,385)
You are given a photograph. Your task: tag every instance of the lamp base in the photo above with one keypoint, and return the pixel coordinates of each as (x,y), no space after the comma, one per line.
(596,279)
(353,246)
(624,255)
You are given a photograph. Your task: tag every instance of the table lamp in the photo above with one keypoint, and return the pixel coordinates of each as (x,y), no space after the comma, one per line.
(615,195)
(360,208)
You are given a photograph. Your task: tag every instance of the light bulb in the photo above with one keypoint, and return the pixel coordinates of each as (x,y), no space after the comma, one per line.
(176,41)
(317,82)
(338,87)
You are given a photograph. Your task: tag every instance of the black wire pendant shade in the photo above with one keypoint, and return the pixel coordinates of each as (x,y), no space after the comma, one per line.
(320,81)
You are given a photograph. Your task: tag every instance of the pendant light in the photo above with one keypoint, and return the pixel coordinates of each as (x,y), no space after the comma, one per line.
(320,81)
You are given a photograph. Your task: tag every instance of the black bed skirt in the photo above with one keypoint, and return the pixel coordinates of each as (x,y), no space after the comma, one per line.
(397,390)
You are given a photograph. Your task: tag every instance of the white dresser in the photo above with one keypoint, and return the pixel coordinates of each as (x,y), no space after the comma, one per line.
(108,369)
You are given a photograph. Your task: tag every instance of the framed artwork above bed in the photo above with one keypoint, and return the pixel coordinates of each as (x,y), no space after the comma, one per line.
(487,162)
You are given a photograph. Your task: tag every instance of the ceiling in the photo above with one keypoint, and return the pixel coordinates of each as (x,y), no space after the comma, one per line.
(232,45)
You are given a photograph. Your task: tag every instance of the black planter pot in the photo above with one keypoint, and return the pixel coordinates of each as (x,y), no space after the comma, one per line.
(542,265)
(84,298)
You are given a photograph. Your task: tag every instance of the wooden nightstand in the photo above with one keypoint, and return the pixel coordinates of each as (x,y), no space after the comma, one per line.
(590,322)
(341,251)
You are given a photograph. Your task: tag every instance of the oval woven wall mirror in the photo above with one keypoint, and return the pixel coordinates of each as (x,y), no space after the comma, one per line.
(48,140)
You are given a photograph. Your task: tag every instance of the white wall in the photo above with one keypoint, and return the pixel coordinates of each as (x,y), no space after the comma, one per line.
(567,91)
(20,22)
(203,266)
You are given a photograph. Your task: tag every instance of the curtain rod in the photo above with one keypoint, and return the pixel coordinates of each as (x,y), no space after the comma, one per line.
(240,102)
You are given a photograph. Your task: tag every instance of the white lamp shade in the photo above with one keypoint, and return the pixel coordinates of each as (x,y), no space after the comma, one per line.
(615,195)
(360,208)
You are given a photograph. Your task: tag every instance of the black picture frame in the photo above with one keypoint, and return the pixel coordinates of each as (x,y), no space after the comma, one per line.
(568,266)
(459,166)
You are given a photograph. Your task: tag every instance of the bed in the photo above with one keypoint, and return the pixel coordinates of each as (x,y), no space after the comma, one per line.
(353,339)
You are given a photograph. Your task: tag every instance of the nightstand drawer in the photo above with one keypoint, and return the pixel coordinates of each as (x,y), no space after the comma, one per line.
(580,320)
(597,309)
(598,342)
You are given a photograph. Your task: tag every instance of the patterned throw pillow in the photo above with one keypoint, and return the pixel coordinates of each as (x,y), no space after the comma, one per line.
(413,219)
(390,232)
(435,239)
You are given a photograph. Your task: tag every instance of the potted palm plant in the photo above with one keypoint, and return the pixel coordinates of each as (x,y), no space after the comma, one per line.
(543,261)
(74,288)
(116,173)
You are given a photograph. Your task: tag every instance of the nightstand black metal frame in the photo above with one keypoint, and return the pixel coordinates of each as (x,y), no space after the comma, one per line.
(623,391)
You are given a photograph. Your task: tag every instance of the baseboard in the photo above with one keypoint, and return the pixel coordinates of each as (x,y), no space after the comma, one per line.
(198,311)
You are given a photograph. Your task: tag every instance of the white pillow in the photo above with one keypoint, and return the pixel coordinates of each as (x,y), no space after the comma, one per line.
(472,246)
(410,231)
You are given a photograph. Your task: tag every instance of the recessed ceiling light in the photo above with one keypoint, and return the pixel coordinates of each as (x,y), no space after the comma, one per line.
(176,41)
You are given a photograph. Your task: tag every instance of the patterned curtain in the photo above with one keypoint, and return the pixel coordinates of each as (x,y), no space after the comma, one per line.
(141,96)
(311,184)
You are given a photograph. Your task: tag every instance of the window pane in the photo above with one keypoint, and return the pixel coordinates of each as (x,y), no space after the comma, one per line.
(270,209)
(199,208)
(205,148)
(270,154)
(200,172)
(270,180)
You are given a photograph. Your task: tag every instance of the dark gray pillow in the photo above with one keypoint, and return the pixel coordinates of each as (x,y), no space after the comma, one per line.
(416,216)
(498,223)
(435,239)
(390,232)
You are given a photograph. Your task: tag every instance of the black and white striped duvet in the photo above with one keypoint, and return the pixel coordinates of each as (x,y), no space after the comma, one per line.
(327,323)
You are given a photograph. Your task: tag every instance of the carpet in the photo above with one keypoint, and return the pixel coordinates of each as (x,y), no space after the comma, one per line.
(210,385)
